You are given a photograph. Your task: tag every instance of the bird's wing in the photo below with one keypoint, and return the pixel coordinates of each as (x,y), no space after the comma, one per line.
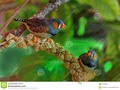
(49,7)
(85,59)
(36,22)
(38,25)
(83,55)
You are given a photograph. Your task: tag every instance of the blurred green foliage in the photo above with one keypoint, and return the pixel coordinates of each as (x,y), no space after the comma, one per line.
(50,68)
(25,13)
(28,65)
(82,22)
(10,58)
(108,9)
(107,66)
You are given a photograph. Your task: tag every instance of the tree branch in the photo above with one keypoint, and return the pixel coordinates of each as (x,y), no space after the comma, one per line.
(7,5)
(76,68)
(51,5)
(12,17)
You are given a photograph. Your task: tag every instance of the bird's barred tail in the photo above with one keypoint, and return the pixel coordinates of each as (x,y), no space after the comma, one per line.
(21,20)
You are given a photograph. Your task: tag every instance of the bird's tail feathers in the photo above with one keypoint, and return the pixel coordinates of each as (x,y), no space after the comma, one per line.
(21,20)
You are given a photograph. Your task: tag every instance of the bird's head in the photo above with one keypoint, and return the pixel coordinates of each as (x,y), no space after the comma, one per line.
(58,24)
(93,55)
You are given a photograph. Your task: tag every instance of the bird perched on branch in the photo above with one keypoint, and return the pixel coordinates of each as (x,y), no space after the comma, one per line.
(52,4)
(43,27)
(89,60)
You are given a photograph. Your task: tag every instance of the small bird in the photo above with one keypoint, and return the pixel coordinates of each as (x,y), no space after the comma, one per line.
(44,27)
(89,60)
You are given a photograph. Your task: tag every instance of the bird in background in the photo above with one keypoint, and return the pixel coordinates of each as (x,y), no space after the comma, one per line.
(43,27)
(89,61)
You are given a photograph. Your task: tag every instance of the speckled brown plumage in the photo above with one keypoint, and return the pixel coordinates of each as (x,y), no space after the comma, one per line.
(44,27)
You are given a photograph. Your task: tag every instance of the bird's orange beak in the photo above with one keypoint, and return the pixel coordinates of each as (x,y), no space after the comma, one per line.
(63,26)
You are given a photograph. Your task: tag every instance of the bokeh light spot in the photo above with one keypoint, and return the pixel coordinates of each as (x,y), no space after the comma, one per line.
(107,66)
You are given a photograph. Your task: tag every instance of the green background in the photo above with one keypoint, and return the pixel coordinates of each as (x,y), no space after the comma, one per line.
(83,32)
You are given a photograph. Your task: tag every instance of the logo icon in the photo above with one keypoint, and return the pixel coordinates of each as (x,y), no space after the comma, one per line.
(3,85)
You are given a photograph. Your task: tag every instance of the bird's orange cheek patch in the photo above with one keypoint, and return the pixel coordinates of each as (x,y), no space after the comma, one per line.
(95,56)
(55,25)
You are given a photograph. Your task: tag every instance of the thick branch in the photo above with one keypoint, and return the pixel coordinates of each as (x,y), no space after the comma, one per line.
(17,32)
(70,61)
(48,8)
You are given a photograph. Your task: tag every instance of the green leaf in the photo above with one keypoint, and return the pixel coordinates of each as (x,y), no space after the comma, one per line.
(109,9)
(112,43)
(113,25)
(82,25)
(107,66)
(10,58)
(38,67)
(57,68)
